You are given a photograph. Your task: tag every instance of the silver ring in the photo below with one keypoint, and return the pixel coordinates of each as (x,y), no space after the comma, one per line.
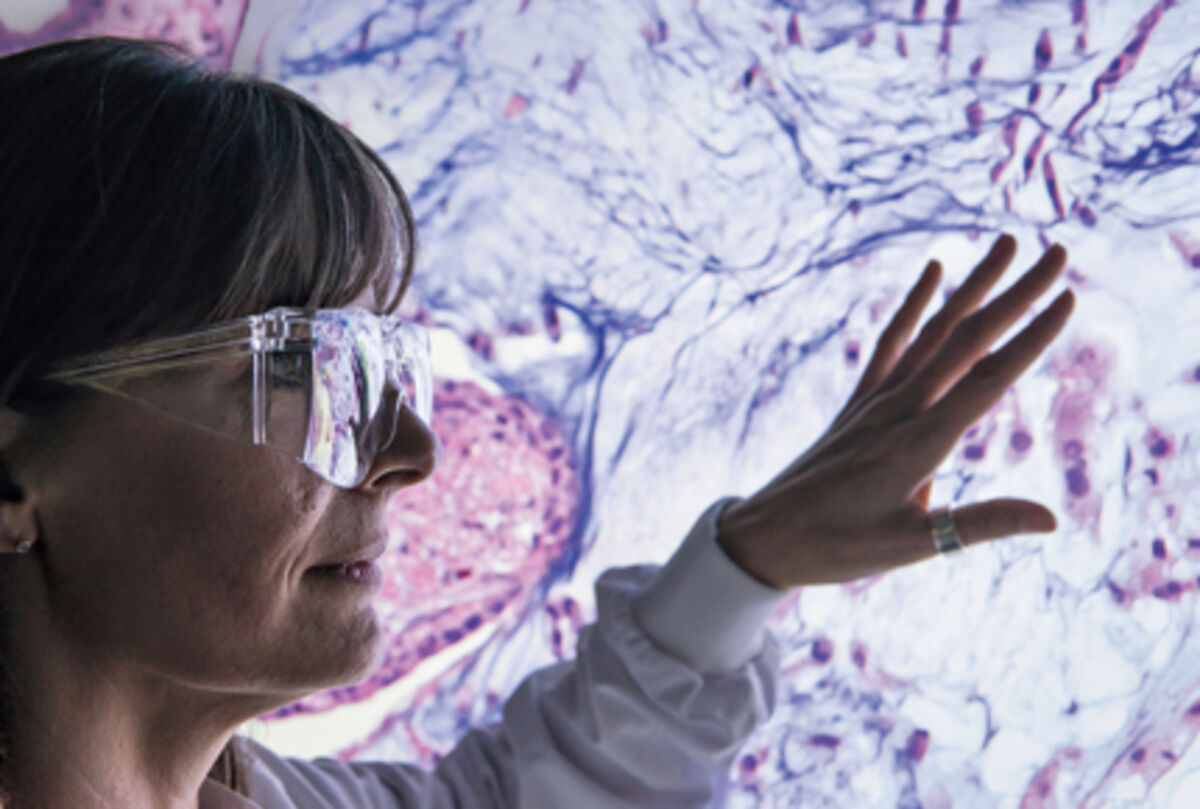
(945,535)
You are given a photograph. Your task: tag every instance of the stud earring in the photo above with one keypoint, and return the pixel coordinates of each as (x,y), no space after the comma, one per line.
(24,545)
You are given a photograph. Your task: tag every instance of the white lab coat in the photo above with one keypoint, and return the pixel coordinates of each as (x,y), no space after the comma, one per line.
(663,692)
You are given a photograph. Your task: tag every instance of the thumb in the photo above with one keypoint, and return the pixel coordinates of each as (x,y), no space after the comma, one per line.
(1037,519)
(996,519)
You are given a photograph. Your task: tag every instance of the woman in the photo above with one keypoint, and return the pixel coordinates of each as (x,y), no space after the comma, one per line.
(194,264)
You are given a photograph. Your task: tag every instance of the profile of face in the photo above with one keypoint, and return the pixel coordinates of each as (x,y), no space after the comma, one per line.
(166,551)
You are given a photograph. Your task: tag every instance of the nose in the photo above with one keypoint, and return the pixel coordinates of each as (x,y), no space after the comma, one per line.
(409,458)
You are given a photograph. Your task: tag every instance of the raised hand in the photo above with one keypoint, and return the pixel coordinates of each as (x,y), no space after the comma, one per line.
(855,504)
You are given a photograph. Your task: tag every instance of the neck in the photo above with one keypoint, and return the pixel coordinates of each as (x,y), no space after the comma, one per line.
(87,729)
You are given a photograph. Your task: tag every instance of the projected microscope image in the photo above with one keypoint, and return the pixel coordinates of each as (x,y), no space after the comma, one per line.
(657,244)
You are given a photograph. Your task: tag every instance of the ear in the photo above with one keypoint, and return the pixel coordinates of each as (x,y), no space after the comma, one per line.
(18,525)
(18,520)
(11,425)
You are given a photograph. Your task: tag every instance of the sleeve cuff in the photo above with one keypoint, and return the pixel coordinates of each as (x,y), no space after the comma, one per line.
(704,609)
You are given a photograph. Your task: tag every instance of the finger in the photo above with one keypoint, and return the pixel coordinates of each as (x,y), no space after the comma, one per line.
(998,519)
(884,373)
(938,429)
(972,337)
(965,300)
(895,336)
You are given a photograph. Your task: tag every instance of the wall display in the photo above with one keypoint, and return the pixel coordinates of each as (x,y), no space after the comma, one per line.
(657,243)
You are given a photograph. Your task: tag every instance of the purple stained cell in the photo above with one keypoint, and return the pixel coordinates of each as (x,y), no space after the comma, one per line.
(917,745)
(1043,52)
(1159,549)
(975,116)
(794,34)
(1078,12)
(481,344)
(974,452)
(1077,482)
(573,80)
(1020,441)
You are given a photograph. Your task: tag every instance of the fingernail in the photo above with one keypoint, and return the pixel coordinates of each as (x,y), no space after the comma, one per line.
(1038,523)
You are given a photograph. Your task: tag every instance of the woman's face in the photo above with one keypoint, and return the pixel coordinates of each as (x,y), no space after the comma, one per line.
(192,555)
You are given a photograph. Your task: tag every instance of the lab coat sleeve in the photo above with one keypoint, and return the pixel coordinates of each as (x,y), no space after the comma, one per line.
(664,690)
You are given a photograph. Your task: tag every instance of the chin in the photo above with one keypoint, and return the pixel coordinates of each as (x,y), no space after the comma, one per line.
(339,656)
(356,654)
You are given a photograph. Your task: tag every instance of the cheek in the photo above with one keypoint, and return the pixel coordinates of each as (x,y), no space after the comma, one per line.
(248,522)
(182,524)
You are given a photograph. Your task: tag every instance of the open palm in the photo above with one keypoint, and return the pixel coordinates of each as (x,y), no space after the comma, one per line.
(855,504)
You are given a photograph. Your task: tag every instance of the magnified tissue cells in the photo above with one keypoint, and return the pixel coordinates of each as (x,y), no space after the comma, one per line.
(657,246)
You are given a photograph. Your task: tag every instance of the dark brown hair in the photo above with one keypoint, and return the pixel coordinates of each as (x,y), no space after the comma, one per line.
(144,194)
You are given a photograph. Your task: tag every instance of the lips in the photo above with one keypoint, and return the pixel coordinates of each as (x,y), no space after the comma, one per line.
(367,553)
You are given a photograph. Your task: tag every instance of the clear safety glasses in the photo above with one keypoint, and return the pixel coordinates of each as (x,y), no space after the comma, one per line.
(325,387)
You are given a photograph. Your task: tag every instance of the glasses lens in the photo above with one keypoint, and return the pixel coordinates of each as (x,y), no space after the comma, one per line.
(365,368)
(415,369)
(286,399)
